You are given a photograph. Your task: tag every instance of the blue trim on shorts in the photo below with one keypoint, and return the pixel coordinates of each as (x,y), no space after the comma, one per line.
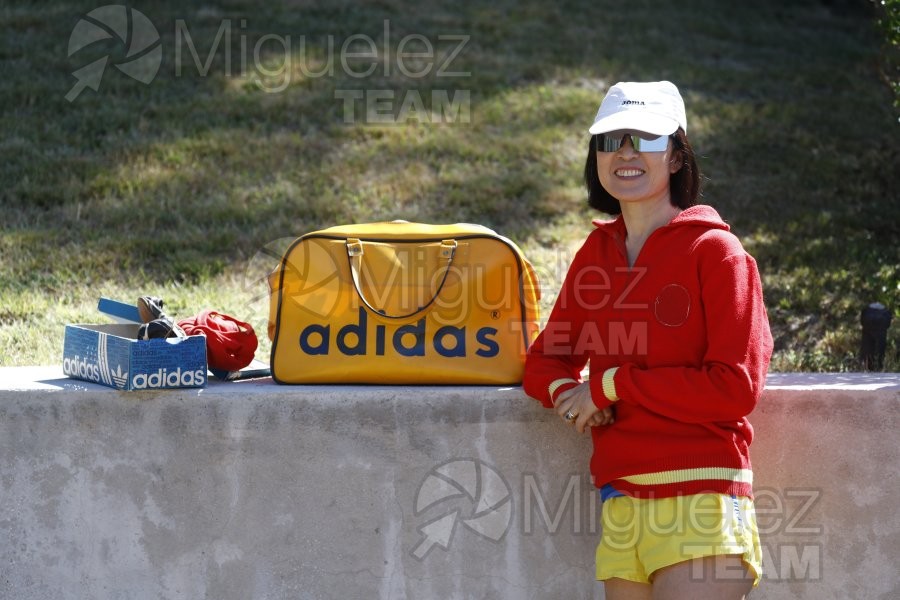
(608,491)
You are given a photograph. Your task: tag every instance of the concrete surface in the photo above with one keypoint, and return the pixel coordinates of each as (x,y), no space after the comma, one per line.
(251,490)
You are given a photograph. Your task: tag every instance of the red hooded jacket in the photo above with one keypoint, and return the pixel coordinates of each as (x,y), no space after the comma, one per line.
(687,330)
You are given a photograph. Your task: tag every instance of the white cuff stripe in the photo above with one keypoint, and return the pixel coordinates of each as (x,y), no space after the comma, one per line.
(558,384)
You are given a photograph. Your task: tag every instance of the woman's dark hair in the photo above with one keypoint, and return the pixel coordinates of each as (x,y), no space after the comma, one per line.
(684,184)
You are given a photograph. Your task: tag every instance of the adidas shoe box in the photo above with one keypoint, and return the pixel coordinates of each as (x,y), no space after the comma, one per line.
(112,355)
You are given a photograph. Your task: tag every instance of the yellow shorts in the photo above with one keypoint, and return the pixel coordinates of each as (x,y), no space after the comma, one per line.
(641,536)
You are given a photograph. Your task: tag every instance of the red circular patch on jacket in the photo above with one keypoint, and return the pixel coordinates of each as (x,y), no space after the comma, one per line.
(672,306)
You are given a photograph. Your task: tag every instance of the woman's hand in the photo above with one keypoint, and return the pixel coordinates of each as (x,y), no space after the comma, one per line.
(577,401)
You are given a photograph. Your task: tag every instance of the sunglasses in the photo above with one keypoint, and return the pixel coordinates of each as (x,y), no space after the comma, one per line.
(611,142)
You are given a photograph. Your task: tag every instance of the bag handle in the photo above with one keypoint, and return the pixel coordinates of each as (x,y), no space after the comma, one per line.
(355,254)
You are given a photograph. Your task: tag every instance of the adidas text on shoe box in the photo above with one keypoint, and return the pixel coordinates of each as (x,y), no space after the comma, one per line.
(111,355)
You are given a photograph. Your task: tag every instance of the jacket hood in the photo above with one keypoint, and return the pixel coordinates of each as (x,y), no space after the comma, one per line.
(701,215)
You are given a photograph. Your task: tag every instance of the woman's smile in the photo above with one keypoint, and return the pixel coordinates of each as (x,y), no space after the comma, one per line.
(628,172)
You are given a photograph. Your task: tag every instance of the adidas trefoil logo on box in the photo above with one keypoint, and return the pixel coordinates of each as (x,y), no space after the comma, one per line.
(119,378)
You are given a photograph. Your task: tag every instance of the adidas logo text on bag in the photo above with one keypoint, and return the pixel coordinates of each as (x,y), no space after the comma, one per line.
(353,339)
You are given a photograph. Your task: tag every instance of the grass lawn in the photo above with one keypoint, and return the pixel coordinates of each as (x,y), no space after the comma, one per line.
(269,120)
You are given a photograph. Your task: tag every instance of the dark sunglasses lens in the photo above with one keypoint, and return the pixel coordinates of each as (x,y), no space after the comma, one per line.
(609,144)
(606,143)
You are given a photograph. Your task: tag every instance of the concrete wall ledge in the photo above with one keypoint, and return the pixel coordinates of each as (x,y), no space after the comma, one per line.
(251,490)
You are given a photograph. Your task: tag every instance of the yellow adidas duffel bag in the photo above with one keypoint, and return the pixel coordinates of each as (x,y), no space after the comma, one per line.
(402,303)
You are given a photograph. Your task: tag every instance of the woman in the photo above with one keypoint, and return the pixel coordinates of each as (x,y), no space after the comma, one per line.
(667,307)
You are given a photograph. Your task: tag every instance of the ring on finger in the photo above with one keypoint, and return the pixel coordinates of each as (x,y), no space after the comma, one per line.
(571,416)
